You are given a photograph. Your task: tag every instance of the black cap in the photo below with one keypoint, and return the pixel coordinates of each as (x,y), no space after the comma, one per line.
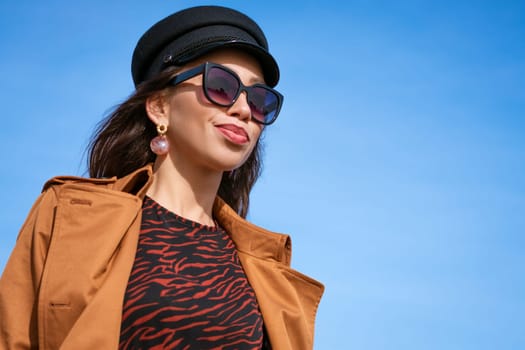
(190,33)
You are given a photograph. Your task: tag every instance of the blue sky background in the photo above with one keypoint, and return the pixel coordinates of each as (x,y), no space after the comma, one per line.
(397,163)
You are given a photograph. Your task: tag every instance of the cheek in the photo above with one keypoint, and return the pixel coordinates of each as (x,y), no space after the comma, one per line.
(189,100)
(201,98)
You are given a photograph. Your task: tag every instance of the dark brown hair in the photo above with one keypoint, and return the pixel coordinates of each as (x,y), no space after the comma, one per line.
(120,145)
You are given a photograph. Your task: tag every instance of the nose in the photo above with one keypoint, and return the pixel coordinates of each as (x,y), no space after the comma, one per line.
(241,109)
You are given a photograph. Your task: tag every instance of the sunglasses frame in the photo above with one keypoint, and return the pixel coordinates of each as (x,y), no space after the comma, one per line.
(205,68)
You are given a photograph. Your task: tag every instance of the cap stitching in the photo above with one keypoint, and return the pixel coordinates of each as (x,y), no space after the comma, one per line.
(197,45)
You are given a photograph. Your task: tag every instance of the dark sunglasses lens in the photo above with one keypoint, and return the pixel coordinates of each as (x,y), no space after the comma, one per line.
(221,86)
(264,104)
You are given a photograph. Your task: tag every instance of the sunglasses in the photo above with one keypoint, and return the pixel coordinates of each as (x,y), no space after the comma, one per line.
(223,87)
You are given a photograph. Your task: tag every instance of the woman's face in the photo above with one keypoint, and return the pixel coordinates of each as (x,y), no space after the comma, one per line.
(204,134)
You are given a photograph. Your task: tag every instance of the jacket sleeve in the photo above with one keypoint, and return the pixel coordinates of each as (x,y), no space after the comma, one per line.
(20,280)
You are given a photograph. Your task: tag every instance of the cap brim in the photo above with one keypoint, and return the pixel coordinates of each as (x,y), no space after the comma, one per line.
(268,63)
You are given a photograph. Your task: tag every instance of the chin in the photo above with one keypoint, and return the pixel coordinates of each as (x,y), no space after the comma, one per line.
(230,167)
(229,163)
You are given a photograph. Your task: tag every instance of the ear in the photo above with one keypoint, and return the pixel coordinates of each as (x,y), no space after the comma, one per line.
(157,109)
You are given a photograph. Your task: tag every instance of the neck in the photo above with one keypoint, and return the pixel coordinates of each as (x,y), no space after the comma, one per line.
(185,190)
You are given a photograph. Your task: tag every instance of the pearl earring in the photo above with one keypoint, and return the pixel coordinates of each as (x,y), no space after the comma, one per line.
(160,145)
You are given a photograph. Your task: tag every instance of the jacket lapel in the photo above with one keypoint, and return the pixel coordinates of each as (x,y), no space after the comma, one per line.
(288,299)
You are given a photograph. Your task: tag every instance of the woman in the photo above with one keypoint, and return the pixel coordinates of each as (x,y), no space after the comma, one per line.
(153,251)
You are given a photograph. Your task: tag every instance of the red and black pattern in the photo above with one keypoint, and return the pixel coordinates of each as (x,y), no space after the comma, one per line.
(187,289)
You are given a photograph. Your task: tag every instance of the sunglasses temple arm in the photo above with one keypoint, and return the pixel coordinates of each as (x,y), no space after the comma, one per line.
(187,74)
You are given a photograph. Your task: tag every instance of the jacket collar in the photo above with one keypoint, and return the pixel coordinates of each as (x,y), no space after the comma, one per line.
(248,238)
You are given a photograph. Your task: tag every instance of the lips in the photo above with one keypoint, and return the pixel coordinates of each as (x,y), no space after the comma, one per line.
(234,133)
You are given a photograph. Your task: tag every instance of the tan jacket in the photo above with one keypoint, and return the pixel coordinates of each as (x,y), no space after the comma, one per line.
(64,284)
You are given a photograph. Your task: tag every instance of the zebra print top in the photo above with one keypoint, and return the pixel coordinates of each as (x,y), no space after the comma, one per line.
(187,289)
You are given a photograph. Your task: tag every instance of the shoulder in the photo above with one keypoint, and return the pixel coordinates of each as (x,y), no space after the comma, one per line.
(135,183)
(132,186)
